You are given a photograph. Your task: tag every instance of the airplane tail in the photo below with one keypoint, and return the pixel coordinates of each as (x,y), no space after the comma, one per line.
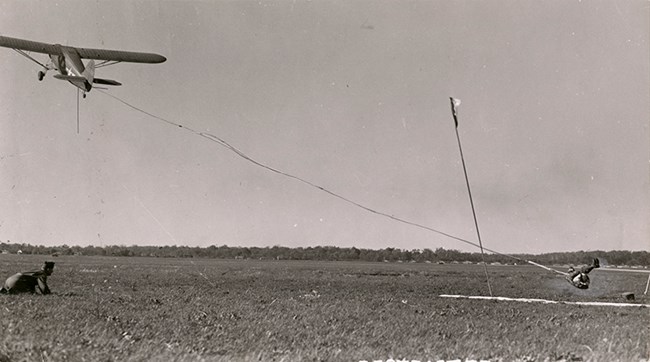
(89,72)
(106,81)
(80,81)
(87,79)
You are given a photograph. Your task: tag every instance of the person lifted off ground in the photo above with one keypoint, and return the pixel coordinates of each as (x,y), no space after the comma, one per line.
(579,278)
(29,282)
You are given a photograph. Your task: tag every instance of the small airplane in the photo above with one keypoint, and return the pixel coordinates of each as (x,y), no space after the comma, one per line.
(68,62)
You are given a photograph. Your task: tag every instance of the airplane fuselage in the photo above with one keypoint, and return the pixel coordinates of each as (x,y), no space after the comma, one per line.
(70,65)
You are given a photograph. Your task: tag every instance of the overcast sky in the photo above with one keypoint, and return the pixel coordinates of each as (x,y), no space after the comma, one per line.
(352,96)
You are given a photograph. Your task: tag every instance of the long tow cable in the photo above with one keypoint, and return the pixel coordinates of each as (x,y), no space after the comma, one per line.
(241,154)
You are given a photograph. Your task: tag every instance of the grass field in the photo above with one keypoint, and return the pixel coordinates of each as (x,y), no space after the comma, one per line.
(140,309)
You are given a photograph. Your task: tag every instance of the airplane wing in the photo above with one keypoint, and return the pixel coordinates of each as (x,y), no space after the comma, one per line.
(28,45)
(119,56)
(86,53)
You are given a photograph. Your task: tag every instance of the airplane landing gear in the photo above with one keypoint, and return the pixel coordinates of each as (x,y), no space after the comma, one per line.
(41,75)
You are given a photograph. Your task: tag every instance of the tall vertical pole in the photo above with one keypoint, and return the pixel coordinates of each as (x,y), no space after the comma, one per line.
(454,104)
(77,110)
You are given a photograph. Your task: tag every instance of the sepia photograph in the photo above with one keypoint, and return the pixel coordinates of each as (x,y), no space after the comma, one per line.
(325,180)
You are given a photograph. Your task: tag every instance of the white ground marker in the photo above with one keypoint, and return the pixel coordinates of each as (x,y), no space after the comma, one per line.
(545,301)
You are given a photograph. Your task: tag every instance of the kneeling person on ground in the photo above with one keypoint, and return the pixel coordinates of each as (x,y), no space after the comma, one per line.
(29,282)
(579,278)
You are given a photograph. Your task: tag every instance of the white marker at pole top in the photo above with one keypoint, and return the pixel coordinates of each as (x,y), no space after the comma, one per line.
(455,102)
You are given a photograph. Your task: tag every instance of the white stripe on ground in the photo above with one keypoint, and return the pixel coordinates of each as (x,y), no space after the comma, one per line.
(625,270)
(545,301)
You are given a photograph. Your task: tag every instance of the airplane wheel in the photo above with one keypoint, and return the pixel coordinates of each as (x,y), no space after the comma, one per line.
(41,75)
(84,95)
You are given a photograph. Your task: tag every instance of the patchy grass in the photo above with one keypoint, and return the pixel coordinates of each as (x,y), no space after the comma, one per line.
(134,309)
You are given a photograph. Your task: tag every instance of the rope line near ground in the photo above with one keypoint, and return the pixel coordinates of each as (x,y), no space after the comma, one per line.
(241,154)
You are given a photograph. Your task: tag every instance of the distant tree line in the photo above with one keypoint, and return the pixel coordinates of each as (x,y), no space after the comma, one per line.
(439,255)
